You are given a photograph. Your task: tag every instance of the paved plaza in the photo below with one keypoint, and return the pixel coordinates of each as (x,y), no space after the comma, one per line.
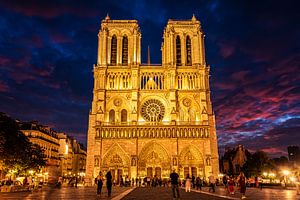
(158,193)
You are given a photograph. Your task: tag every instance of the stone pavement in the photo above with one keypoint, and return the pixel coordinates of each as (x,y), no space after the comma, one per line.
(257,194)
(159,193)
(165,193)
(70,193)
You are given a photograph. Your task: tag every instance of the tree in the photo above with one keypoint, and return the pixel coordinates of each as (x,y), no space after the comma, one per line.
(16,151)
(257,164)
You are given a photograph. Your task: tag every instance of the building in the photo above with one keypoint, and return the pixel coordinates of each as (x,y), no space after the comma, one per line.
(48,140)
(72,155)
(64,155)
(294,154)
(147,119)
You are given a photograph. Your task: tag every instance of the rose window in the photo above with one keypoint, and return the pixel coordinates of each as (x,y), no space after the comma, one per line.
(153,110)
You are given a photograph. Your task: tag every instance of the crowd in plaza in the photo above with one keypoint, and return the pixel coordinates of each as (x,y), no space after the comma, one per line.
(231,184)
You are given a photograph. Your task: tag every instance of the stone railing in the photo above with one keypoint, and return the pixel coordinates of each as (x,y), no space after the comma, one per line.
(137,130)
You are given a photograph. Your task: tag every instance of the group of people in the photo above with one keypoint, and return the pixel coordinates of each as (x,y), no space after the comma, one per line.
(229,183)
(99,181)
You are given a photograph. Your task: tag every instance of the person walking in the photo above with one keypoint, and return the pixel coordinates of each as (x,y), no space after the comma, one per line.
(297,182)
(174,182)
(242,183)
(188,183)
(108,183)
(212,181)
(225,182)
(99,183)
(231,185)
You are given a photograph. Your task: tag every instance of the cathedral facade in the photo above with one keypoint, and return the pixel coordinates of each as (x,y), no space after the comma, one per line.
(147,120)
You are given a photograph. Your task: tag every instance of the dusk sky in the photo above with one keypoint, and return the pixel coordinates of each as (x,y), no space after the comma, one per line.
(48,48)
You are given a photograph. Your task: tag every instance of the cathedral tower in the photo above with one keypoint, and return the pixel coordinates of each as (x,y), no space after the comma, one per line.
(149,119)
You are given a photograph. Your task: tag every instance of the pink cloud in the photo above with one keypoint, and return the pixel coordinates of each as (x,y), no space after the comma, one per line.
(3,86)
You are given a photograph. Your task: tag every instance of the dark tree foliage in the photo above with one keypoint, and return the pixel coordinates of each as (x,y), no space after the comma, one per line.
(257,164)
(16,151)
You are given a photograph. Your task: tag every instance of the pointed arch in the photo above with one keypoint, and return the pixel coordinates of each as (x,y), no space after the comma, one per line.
(188,46)
(124,115)
(115,155)
(113,58)
(191,156)
(125,50)
(178,51)
(154,153)
(112,116)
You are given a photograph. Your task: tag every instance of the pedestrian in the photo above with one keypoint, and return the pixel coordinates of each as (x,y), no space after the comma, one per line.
(140,182)
(108,183)
(99,183)
(225,182)
(242,183)
(174,182)
(76,181)
(188,183)
(231,185)
(212,180)
(194,181)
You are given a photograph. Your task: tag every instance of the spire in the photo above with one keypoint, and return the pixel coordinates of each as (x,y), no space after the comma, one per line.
(194,18)
(107,17)
(148,55)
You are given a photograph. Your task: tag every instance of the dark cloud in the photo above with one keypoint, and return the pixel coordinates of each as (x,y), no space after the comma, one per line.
(48,48)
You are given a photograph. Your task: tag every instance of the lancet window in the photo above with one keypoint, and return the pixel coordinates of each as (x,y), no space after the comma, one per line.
(125,50)
(112,116)
(124,115)
(188,51)
(152,81)
(178,51)
(113,59)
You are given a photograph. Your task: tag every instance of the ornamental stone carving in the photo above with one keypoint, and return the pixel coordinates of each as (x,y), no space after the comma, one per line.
(153,110)
(118,102)
(187,102)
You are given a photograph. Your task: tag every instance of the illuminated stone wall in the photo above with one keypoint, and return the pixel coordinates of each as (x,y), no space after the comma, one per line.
(149,119)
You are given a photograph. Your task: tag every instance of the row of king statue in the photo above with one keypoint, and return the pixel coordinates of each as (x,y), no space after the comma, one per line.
(147,120)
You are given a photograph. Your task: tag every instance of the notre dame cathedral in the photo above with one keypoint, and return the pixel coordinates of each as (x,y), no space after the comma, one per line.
(146,119)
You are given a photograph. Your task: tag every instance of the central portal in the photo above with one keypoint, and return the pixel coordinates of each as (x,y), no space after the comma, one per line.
(154,161)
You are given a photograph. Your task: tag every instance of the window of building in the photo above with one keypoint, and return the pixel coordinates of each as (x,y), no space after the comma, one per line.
(178,51)
(113,58)
(112,116)
(125,50)
(124,115)
(188,51)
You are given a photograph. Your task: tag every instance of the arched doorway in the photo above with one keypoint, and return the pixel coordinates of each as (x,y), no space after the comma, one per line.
(116,160)
(154,161)
(191,162)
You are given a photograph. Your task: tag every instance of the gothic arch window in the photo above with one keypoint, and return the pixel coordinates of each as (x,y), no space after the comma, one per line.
(178,51)
(112,116)
(113,58)
(188,51)
(125,50)
(124,115)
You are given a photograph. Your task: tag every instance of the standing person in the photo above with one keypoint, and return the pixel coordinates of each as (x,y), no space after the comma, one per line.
(188,183)
(174,182)
(242,183)
(108,182)
(99,183)
(212,181)
(231,185)
(225,182)
(194,181)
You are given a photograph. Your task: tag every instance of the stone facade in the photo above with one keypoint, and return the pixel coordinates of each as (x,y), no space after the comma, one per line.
(149,119)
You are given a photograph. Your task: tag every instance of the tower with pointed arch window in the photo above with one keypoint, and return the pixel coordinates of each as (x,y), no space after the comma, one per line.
(147,119)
